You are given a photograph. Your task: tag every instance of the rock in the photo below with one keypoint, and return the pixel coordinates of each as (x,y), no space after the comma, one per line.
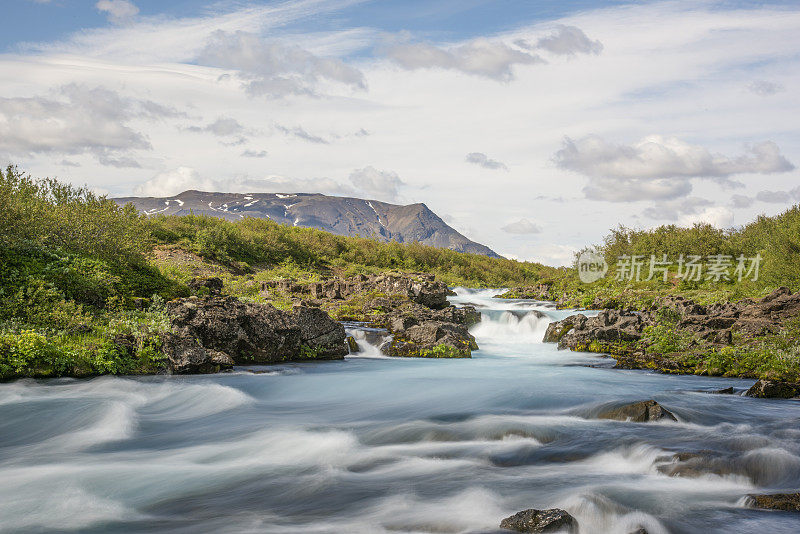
(433,339)
(352,345)
(639,412)
(553,520)
(213,285)
(789,502)
(609,327)
(773,389)
(222,330)
(558,329)
(725,391)
(186,356)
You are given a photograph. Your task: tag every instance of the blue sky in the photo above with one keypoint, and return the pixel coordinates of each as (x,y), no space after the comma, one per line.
(439,19)
(530,126)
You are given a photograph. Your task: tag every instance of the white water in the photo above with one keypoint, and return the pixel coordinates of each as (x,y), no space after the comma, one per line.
(374,444)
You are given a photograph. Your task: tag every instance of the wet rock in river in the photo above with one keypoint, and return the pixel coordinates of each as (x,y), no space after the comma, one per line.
(553,520)
(773,389)
(639,412)
(788,502)
(217,331)
(433,339)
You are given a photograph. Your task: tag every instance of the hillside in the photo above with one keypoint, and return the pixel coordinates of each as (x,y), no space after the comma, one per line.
(339,215)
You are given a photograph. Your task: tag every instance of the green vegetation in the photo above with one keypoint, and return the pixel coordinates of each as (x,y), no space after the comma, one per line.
(256,245)
(83,281)
(775,239)
(72,266)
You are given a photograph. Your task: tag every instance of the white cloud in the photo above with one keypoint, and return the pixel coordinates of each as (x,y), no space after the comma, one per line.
(185,178)
(275,69)
(380,185)
(522,226)
(718,216)
(482,160)
(173,182)
(566,40)
(77,120)
(674,209)
(480,57)
(118,11)
(765,88)
(658,167)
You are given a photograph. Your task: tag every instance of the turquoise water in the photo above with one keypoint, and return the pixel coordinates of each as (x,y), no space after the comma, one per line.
(372,445)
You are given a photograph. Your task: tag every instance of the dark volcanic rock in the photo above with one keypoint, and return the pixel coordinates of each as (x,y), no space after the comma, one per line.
(724,391)
(789,502)
(217,331)
(433,339)
(186,356)
(773,389)
(610,326)
(553,520)
(639,412)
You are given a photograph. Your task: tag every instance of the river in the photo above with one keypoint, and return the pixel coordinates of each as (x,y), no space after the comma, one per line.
(372,445)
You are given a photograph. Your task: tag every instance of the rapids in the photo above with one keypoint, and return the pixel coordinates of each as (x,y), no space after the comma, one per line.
(372,444)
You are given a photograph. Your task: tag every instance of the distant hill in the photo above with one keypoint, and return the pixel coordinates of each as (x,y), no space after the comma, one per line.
(339,215)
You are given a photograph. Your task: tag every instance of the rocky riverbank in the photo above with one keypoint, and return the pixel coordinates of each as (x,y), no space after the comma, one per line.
(412,307)
(747,339)
(213,332)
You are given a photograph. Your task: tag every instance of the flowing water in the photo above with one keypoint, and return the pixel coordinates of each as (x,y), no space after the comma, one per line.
(372,444)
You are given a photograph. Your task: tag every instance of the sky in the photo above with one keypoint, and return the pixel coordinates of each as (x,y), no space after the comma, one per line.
(533,127)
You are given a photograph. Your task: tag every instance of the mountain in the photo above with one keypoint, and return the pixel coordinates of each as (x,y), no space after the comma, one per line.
(338,215)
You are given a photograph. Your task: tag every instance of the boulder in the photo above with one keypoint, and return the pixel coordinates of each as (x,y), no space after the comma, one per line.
(222,330)
(773,389)
(433,339)
(608,327)
(725,391)
(553,520)
(639,412)
(558,329)
(186,356)
(788,502)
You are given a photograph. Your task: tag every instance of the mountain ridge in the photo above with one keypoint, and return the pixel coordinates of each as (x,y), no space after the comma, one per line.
(339,215)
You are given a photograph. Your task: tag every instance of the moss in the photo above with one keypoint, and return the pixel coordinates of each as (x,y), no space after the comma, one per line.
(598,347)
(442,351)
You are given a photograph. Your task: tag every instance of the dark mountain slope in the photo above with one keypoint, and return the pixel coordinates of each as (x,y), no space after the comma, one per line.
(339,215)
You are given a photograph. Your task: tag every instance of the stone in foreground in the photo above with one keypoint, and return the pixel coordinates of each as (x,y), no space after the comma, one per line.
(553,520)
(213,333)
(773,389)
(788,502)
(639,412)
